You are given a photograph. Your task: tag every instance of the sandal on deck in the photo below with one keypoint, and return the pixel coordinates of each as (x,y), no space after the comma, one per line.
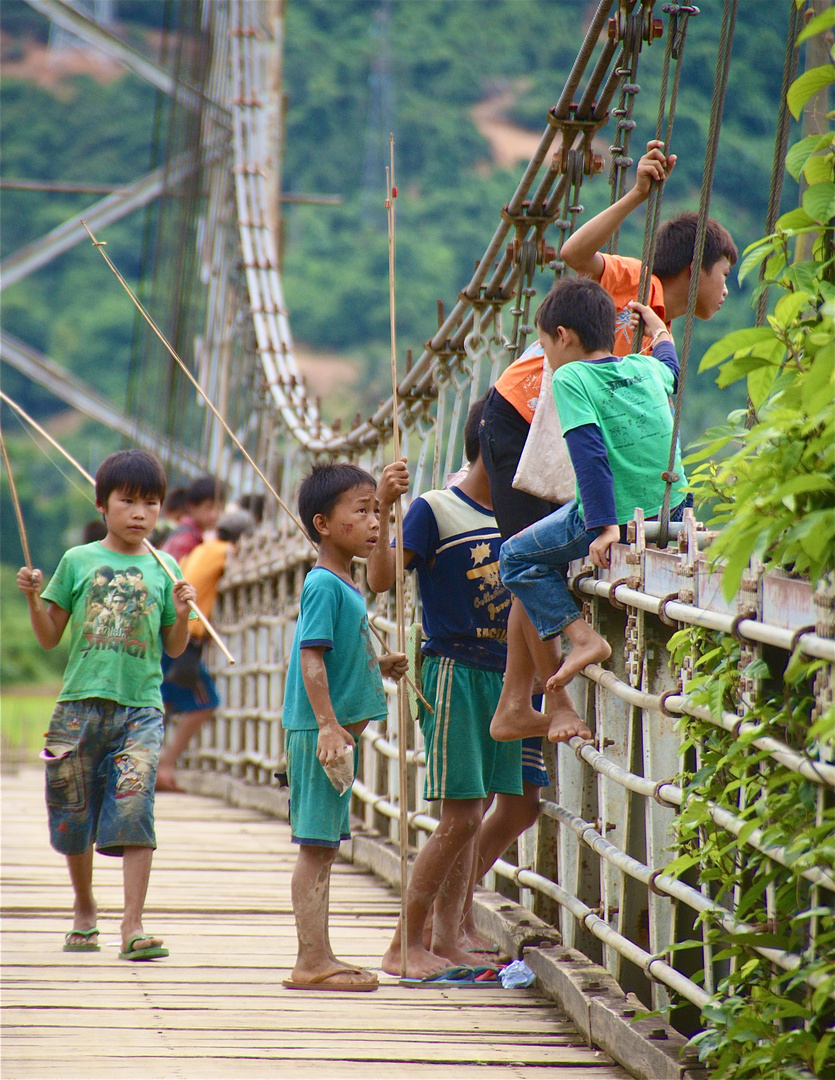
(328,980)
(153,952)
(82,946)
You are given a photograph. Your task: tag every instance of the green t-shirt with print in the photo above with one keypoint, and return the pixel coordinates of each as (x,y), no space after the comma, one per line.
(629,401)
(117,605)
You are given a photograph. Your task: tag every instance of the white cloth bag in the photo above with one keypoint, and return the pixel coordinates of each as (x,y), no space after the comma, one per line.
(545,468)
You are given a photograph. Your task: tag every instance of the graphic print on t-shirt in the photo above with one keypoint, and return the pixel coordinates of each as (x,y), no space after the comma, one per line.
(116,609)
(493,598)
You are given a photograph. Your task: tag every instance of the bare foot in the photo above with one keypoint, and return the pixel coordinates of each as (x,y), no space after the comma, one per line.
(419,963)
(139,941)
(563,721)
(517,720)
(458,956)
(336,976)
(470,940)
(587,648)
(167,780)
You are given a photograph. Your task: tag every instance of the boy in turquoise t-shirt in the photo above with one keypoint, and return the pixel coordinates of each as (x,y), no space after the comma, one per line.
(334,688)
(104,737)
(615,415)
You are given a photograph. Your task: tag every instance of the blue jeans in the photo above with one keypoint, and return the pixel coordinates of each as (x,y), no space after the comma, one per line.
(533,564)
(101,767)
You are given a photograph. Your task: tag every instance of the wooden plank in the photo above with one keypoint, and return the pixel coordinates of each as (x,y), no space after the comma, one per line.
(215,1009)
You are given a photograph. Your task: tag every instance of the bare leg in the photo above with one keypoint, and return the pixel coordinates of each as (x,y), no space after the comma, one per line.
(84,904)
(187,727)
(510,817)
(310,895)
(562,718)
(588,647)
(515,717)
(460,819)
(136,872)
(453,896)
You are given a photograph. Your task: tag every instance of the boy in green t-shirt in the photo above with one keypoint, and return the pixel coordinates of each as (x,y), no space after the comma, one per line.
(615,415)
(105,734)
(334,688)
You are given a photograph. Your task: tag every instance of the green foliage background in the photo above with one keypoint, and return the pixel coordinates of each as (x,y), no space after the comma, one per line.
(444,57)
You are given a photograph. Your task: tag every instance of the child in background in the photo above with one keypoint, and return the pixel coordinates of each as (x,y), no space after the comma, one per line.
(105,734)
(334,688)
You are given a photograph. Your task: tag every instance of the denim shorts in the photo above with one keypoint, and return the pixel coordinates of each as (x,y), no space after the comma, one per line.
(101,769)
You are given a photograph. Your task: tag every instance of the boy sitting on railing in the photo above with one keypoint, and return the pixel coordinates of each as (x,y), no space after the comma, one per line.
(334,688)
(451,539)
(615,415)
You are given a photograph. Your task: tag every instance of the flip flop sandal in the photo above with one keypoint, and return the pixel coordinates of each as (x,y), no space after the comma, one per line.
(153,952)
(84,946)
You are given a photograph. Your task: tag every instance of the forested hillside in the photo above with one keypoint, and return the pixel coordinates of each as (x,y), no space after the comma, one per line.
(354,70)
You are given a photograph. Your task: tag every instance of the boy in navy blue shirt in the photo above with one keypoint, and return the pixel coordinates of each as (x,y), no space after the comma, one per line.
(450,538)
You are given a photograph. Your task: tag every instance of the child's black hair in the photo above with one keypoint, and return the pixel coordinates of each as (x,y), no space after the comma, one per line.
(203,488)
(471,446)
(105,571)
(175,501)
(581,305)
(322,487)
(677,238)
(137,472)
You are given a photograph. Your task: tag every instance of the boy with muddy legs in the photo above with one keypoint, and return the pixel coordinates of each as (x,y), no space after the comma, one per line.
(510,409)
(105,734)
(451,540)
(334,689)
(616,418)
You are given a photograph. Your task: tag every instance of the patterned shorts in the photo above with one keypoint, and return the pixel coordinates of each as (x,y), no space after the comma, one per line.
(101,768)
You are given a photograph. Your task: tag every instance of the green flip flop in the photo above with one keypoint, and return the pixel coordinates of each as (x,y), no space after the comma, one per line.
(153,952)
(84,946)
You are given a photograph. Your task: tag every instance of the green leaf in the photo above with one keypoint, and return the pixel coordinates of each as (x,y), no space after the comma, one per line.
(806,86)
(794,219)
(760,383)
(819,201)
(733,343)
(817,25)
(799,154)
(788,307)
(818,168)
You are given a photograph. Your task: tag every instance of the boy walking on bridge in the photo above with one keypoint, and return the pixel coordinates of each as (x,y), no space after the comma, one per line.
(104,738)
(334,689)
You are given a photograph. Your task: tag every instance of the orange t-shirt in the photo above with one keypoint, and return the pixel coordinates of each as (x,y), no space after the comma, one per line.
(520,383)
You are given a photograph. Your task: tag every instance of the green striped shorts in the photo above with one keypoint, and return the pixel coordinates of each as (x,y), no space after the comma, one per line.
(462,760)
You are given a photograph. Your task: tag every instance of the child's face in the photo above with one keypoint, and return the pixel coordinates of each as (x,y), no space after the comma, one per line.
(713,289)
(130,517)
(206,513)
(353,524)
(551,347)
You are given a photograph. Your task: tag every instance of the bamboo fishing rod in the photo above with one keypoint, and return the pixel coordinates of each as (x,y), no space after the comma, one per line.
(100,245)
(21,526)
(399,580)
(210,630)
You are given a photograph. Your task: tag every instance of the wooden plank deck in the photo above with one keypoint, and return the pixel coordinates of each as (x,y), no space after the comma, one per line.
(215,1009)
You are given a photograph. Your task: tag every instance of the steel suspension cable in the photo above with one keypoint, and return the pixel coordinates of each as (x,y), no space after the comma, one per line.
(720,83)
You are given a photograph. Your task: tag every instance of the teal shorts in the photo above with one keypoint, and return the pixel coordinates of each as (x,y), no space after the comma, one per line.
(463,761)
(318,815)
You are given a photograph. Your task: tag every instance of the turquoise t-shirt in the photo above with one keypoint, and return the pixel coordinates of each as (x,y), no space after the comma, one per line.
(117,604)
(629,401)
(333,613)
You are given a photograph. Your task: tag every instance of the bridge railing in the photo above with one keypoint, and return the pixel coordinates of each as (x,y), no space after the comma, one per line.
(595,863)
